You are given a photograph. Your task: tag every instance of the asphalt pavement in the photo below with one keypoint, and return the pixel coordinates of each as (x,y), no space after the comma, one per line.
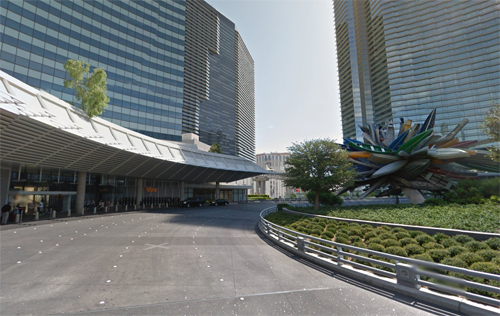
(196,261)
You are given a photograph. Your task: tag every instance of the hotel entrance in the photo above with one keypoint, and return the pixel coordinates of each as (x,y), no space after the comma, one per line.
(43,202)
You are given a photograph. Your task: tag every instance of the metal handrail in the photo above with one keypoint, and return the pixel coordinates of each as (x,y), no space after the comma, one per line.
(408,271)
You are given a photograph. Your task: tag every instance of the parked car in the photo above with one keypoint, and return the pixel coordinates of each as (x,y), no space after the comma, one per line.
(192,202)
(220,202)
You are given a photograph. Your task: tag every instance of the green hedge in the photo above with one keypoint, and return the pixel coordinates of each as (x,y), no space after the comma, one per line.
(475,217)
(461,250)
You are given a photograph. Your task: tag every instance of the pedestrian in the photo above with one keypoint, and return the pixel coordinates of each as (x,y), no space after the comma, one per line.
(40,207)
(5,213)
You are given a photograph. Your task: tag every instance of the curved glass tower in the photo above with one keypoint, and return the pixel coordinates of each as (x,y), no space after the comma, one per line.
(405,58)
(172,65)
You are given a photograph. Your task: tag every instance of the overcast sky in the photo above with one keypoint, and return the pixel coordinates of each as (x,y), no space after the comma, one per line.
(296,79)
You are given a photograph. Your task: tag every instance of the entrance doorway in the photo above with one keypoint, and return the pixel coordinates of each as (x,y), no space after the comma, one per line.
(29,202)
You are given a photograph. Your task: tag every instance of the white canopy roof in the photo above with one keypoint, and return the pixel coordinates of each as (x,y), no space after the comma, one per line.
(38,128)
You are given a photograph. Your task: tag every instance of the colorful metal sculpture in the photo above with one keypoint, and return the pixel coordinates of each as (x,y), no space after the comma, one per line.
(416,159)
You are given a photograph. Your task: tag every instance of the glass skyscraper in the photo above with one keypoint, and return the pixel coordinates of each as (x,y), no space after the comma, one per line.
(404,58)
(171,64)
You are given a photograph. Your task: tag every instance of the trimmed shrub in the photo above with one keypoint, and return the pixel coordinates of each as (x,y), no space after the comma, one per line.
(438,254)
(385,228)
(496,260)
(456,250)
(316,232)
(331,225)
(370,235)
(359,244)
(485,267)
(494,243)
(355,232)
(455,262)
(386,236)
(407,241)
(342,240)
(326,237)
(376,247)
(332,229)
(342,223)
(391,243)
(469,258)
(355,239)
(423,256)
(424,238)
(328,234)
(432,245)
(343,230)
(439,237)
(343,235)
(357,225)
(366,229)
(301,229)
(463,239)
(401,235)
(412,249)
(415,233)
(398,230)
(375,240)
(450,242)
(488,254)
(476,246)
(398,251)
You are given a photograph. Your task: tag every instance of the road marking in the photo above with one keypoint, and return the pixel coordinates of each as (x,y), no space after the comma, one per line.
(157,246)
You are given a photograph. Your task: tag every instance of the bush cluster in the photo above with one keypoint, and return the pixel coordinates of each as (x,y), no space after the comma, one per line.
(460,250)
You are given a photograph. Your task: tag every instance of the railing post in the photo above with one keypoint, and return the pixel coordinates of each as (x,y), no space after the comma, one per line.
(280,235)
(36,216)
(340,256)
(95,210)
(53,214)
(406,275)
(116,208)
(301,246)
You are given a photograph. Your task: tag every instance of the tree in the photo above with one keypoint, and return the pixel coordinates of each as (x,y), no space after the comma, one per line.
(491,126)
(90,89)
(319,165)
(215,148)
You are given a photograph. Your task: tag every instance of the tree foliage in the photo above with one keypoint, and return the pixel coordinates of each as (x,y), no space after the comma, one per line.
(215,148)
(90,89)
(319,165)
(325,198)
(491,126)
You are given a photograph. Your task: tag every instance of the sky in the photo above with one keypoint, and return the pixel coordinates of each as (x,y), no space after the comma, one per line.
(296,79)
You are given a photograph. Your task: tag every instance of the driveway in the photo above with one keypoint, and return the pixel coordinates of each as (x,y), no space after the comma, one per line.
(196,261)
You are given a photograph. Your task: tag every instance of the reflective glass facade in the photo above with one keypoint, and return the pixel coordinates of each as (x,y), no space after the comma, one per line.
(171,64)
(404,58)
(140,44)
(218,112)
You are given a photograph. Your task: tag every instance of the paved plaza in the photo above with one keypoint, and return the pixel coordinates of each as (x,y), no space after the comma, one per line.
(196,261)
